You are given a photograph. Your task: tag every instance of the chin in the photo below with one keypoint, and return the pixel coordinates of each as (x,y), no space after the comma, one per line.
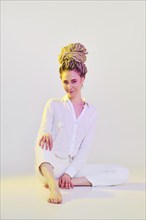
(70,95)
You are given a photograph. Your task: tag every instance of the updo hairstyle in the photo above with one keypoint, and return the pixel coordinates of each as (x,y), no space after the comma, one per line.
(73,57)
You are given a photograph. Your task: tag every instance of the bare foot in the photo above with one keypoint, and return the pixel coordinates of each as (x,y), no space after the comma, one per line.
(55,195)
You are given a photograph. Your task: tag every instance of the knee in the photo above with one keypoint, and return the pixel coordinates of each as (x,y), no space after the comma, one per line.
(45,167)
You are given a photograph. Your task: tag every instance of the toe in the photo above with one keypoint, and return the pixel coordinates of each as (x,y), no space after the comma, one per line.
(49,200)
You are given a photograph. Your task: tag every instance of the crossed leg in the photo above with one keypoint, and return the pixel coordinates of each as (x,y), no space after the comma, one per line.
(100,175)
(55,194)
(52,183)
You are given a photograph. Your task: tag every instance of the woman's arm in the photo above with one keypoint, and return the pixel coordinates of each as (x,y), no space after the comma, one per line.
(44,133)
(80,159)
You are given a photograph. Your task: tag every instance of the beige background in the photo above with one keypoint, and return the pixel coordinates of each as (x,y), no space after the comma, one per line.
(32,34)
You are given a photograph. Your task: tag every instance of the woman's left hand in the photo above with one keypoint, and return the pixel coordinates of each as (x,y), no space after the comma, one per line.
(65,181)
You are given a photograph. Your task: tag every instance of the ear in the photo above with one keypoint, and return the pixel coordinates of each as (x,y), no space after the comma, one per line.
(82,79)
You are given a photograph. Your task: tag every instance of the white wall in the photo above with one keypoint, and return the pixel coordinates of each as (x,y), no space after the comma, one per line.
(33,33)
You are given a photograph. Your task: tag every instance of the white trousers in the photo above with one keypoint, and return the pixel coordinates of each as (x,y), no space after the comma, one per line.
(96,174)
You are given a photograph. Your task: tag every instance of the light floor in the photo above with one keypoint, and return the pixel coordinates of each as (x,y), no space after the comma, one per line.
(24,197)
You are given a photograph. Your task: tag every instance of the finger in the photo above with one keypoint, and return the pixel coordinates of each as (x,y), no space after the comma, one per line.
(44,138)
(40,142)
(71,184)
(59,182)
(67,185)
(47,143)
(44,142)
(62,184)
(51,142)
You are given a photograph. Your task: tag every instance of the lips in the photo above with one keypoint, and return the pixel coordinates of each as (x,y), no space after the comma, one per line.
(70,91)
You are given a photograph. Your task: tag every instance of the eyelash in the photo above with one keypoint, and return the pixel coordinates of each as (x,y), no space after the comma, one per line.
(72,82)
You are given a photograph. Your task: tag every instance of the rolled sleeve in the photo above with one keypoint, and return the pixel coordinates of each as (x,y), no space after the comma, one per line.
(71,171)
(47,120)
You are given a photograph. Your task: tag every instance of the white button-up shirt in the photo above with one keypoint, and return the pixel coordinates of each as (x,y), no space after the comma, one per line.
(72,136)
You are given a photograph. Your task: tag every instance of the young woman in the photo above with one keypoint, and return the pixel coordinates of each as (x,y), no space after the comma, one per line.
(66,132)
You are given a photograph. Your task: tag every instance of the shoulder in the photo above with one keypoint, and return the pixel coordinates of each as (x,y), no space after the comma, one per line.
(92,110)
(53,101)
(91,107)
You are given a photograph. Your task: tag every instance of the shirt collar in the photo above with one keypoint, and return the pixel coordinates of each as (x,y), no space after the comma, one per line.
(65,98)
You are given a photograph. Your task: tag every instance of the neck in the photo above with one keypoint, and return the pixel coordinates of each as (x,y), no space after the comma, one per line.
(77,99)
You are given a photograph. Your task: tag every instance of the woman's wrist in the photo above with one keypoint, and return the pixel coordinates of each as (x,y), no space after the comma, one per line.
(68,175)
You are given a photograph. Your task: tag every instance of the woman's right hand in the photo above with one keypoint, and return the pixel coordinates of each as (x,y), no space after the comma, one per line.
(47,140)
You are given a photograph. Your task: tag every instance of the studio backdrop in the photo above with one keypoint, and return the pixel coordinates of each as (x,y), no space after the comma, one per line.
(32,35)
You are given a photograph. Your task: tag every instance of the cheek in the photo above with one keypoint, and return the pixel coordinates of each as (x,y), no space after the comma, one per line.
(65,87)
(78,85)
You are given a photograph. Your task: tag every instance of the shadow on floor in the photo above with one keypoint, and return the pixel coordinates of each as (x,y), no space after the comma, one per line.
(85,192)
(130,187)
(98,192)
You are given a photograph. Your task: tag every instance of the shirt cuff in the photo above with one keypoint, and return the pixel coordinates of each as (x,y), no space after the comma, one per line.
(70,171)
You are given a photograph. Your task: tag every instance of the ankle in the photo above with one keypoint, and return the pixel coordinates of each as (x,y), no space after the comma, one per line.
(52,184)
(53,187)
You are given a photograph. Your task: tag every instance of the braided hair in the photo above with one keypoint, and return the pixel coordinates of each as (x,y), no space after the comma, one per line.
(73,57)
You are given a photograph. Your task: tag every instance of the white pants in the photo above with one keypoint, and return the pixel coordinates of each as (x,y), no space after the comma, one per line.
(96,174)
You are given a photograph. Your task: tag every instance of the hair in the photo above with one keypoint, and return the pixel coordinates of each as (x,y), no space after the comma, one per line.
(73,57)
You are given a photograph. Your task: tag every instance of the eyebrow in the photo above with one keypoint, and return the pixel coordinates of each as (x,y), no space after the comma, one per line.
(71,80)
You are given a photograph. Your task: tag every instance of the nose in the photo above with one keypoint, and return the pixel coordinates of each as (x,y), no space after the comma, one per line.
(69,86)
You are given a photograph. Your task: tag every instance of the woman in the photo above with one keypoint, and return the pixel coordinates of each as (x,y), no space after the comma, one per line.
(66,132)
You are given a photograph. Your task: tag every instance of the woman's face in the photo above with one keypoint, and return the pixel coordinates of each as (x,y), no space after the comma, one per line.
(72,82)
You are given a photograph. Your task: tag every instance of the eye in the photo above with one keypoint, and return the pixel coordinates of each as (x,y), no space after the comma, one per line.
(74,81)
(65,82)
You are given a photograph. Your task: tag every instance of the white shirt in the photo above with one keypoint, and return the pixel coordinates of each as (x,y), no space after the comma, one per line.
(72,136)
